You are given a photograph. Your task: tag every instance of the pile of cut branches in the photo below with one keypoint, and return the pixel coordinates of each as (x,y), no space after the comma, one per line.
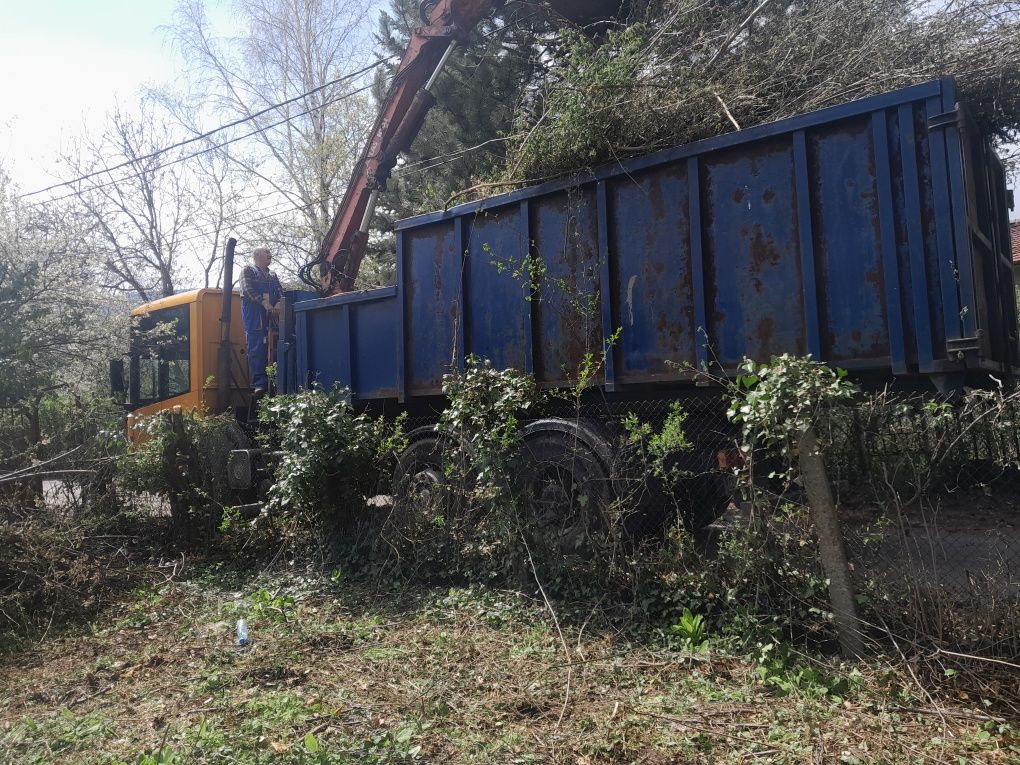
(683,70)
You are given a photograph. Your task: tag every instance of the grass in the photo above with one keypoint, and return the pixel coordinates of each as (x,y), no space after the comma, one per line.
(343,672)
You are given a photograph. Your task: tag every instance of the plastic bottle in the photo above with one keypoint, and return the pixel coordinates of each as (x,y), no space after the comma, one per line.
(242,632)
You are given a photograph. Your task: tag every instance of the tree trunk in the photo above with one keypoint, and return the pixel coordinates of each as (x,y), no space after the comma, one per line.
(831,549)
(35,486)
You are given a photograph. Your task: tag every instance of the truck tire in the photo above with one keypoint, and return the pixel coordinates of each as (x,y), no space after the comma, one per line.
(419,467)
(697,498)
(566,488)
(422,491)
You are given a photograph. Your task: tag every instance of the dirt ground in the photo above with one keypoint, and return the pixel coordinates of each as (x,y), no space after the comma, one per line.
(340,672)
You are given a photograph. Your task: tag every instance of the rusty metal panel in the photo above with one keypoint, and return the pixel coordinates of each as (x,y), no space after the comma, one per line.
(432,294)
(846,220)
(752,261)
(567,310)
(650,272)
(497,283)
(869,234)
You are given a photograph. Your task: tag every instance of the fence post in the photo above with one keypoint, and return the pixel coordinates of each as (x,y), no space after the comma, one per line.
(830,543)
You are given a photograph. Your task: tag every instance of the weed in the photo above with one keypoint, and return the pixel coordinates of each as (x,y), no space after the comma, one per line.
(779,669)
(690,630)
(39,740)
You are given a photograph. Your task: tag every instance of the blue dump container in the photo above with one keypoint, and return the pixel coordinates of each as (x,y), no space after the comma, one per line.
(872,235)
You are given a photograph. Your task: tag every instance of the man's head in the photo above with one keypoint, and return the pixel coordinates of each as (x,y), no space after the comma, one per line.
(262,257)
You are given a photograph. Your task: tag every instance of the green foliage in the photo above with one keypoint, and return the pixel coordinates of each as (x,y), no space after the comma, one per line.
(778,400)
(668,442)
(276,607)
(529,271)
(183,458)
(230,519)
(653,464)
(467,525)
(783,670)
(482,423)
(761,577)
(141,468)
(56,335)
(591,364)
(332,458)
(690,630)
(585,105)
(678,71)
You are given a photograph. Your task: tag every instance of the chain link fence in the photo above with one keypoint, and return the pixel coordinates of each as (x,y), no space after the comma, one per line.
(928,491)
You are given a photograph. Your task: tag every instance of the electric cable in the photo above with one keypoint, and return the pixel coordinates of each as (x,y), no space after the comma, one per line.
(115,181)
(208,133)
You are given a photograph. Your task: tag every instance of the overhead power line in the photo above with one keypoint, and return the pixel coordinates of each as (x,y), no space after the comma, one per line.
(272,211)
(235,123)
(221,128)
(214,147)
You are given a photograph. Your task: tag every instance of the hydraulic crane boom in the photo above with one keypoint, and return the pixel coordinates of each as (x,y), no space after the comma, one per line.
(399,121)
(446,23)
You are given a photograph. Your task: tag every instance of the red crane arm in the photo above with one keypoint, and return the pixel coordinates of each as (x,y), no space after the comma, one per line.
(399,122)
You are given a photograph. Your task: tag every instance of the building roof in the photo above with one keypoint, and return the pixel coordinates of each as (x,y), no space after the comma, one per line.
(1014,239)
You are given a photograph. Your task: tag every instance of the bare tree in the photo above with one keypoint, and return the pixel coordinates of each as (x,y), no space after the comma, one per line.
(297,53)
(221,201)
(220,209)
(131,228)
(149,216)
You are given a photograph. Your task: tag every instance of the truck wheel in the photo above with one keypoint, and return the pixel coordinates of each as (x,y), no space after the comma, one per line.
(424,498)
(419,472)
(698,497)
(566,487)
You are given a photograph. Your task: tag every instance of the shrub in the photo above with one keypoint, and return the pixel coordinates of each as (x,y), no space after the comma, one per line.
(331,459)
(182,458)
(467,527)
(482,424)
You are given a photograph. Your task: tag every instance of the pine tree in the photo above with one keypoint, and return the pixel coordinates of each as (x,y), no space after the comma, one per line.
(479,92)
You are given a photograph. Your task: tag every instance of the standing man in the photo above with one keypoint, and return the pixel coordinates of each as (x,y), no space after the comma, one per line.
(260,292)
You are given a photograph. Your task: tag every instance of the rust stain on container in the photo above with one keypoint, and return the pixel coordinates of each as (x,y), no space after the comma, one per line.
(874,278)
(437,275)
(764,332)
(667,337)
(656,199)
(763,254)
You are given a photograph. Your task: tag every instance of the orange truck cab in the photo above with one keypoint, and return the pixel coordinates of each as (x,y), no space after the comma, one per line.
(173,357)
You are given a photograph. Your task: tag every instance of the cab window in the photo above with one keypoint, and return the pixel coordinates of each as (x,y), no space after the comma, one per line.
(160,366)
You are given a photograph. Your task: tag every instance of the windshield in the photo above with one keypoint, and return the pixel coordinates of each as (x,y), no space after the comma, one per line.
(160,366)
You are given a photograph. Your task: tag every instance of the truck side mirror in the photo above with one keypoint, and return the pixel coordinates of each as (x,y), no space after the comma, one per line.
(117,387)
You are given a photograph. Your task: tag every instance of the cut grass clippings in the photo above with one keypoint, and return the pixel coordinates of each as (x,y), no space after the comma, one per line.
(346,673)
